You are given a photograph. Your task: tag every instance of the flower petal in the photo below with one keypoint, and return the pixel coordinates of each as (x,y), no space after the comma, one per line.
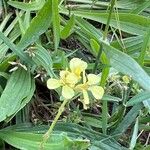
(97,91)
(93,79)
(77,66)
(86,97)
(63,74)
(53,83)
(72,78)
(67,92)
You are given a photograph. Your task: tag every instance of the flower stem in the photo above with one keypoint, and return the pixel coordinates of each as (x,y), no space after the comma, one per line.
(48,133)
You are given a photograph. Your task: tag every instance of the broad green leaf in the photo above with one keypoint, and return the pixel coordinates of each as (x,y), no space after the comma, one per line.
(123,4)
(4,65)
(138,98)
(56,23)
(133,24)
(92,121)
(130,45)
(36,5)
(18,91)
(88,28)
(15,49)
(128,119)
(67,29)
(5,75)
(141,7)
(43,58)
(4,48)
(127,65)
(97,140)
(32,141)
(38,26)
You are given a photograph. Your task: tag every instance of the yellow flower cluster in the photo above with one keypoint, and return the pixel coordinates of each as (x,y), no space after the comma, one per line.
(76,80)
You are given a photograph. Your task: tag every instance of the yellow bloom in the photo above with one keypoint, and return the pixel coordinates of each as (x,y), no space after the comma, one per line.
(77,66)
(67,81)
(90,84)
(126,79)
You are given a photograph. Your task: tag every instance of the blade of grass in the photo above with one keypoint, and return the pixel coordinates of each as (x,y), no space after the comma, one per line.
(56,23)
(134,135)
(13,47)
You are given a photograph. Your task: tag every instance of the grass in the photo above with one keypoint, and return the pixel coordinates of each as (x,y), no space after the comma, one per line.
(38,39)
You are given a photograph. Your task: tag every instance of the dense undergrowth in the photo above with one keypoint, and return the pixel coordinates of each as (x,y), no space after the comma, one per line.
(74,74)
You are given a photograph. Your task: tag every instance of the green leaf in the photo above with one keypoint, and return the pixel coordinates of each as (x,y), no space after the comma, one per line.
(97,140)
(36,5)
(32,141)
(18,91)
(138,98)
(43,58)
(133,24)
(16,50)
(38,26)
(67,29)
(94,45)
(145,46)
(135,135)
(141,7)
(128,119)
(127,65)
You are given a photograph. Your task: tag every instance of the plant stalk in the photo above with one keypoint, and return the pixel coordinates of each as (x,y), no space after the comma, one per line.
(48,133)
(104,103)
(104,35)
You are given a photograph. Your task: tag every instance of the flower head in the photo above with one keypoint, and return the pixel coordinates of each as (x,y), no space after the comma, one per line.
(70,81)
(67,81)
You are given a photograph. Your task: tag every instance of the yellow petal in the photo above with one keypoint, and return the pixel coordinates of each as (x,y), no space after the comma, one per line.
(97,91)
(53,83)
(63,74)
(67,92)
(93,79)
(77,66)
(86,97)
(72,78)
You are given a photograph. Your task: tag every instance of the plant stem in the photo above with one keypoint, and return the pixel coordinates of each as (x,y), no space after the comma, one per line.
(48,133)
(104,103)
(104,35)
(109,18)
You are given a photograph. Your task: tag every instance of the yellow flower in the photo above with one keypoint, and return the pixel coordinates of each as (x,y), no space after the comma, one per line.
(77,66)
(90,84)
(126,79)
(67,81)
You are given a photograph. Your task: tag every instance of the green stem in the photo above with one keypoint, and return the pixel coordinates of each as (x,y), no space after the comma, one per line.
(104,35)
(48,133)
(109,18)
(104,103)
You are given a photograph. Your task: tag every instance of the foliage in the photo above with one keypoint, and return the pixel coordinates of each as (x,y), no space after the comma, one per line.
(110,39)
